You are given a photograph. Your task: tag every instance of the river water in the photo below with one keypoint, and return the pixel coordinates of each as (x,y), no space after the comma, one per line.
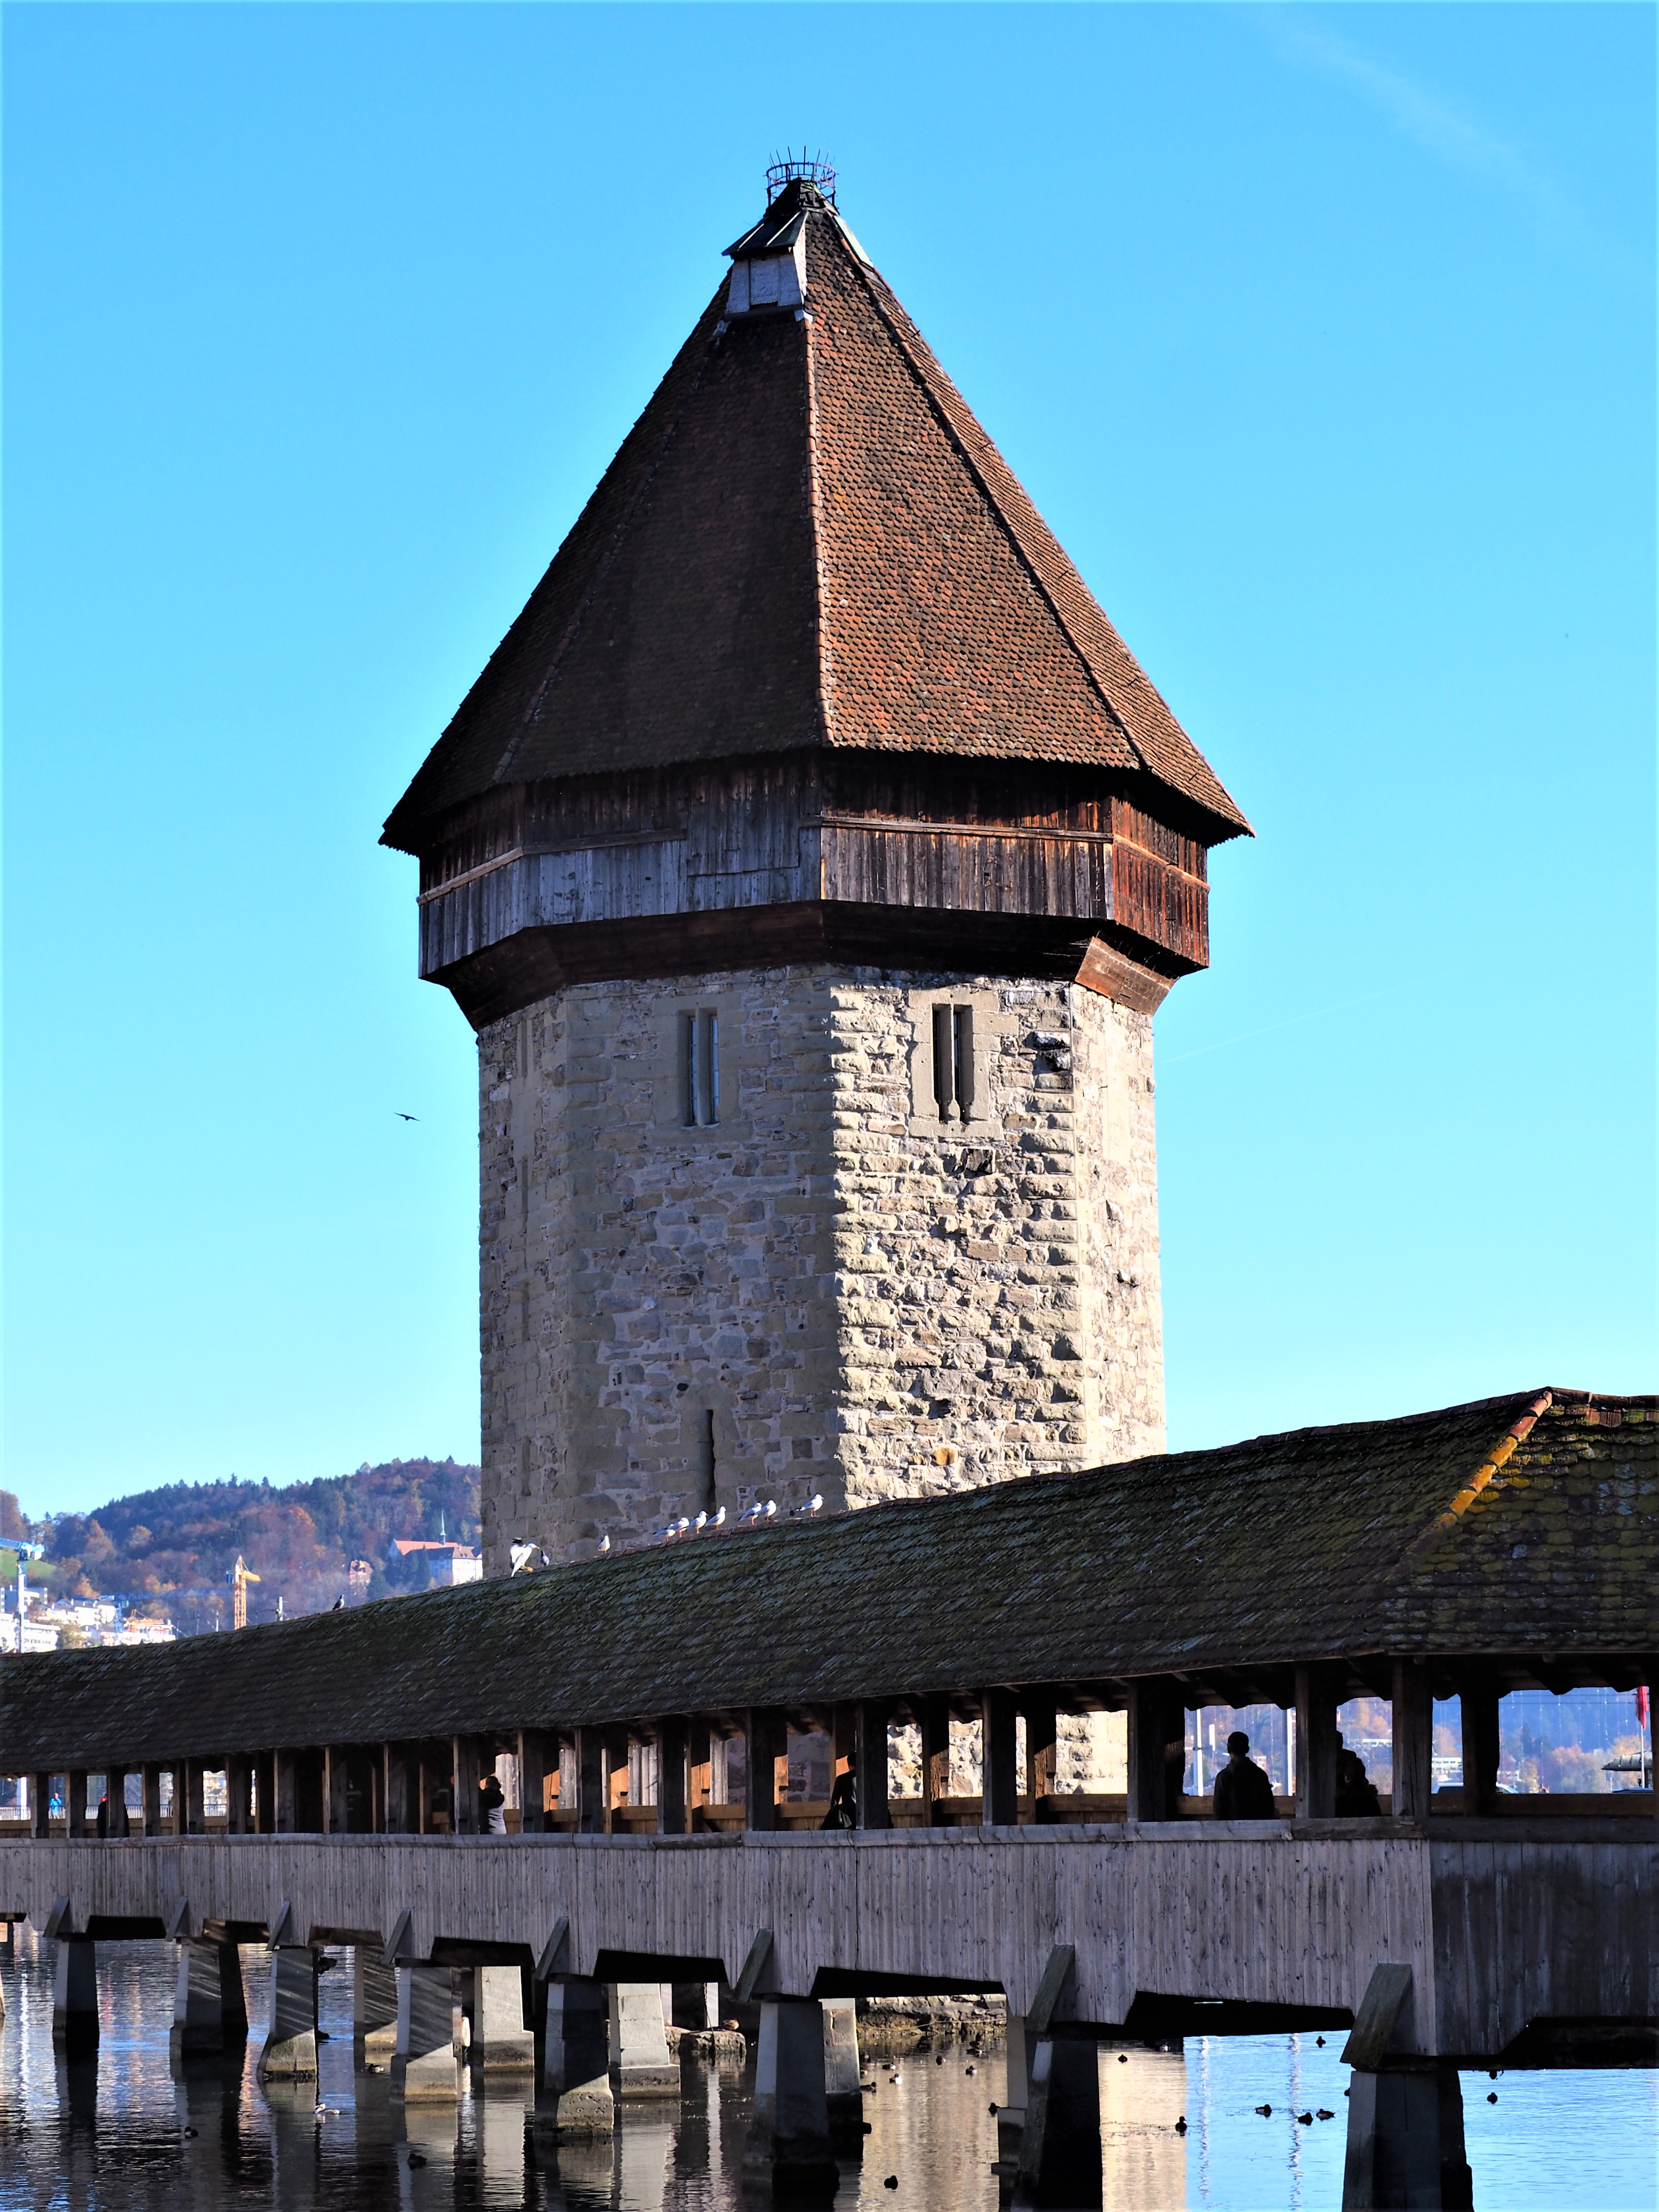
(118,2131)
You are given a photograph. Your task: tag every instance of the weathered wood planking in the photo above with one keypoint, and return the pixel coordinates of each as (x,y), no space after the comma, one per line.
(1497,1933)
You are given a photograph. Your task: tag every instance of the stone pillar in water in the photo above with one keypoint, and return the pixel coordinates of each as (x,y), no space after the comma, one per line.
(374,2007)
(75,1993)
(640,2061)
(1406,2140)
(577,2099)
(843,2099)
(502,2044)
(789,2133)
(1059,2150)
(290,2044)
(209,2008)
(428,2064)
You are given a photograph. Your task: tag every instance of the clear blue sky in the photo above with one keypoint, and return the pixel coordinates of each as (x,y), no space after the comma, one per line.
(1322,337)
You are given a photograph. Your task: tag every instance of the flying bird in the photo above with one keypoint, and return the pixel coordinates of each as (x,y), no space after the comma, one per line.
(402,1116)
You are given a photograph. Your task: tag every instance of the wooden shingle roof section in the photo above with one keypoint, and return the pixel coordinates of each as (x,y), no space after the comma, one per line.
(807,540)
(1523,1530)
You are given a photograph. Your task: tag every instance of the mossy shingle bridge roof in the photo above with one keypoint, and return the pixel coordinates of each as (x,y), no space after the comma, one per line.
(1523,1529)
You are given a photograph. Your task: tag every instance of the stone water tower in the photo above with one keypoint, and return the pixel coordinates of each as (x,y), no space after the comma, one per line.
(810,858)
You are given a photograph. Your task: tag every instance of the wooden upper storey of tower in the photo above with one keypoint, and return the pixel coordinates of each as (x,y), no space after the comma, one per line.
(808,548)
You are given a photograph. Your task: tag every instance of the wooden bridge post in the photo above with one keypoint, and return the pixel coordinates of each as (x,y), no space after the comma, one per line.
(287,1808)
(75,1806)
(670,1776)
(614,1755)
(935,1757)
(464,1754)
(1316,1742)
(764,1736)
(1158,1749)
(266,1809)
(699,1767)
(40,1804)
(239,1793)
(115,1792)
(193,1774)
(532,1746)
(1477,1699)
(152,1800)
(872,1717)
(1042,1709)
(592,1793)
(1412,1710)
(999,1769)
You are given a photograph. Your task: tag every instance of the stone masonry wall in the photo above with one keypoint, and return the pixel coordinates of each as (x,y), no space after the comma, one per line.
(870,1301)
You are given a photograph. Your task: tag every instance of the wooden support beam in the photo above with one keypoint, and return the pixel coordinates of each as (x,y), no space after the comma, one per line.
(590,1782)
(613,1757)
(40,1803)
(764,1736)
(465,1763)
(402,1802)
(1042,1711)
(1413,1707)
(870,1738)
(699,1767)
(1000,1785)
(533,1747)
(1317,1690)
(194,1777)
(239,1796)
(152,1800)
(265,1806)
(935,1756)
(672,1734)
(334,1790)
(1158,1749)
(427,1783)
(1477,1696)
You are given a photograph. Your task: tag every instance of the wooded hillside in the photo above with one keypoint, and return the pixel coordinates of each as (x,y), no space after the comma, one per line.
(171,1549)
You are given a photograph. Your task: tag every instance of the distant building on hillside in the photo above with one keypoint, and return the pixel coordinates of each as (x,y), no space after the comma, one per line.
(359,1573)
(43,1625)
(451,1563)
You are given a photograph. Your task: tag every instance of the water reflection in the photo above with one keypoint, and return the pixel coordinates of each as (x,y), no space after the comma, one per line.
(116,2129)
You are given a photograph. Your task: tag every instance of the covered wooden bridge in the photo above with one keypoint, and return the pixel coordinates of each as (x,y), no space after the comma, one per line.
(1510,1544)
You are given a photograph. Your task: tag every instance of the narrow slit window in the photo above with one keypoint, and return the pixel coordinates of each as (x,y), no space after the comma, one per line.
(699,1059)
(953,1062)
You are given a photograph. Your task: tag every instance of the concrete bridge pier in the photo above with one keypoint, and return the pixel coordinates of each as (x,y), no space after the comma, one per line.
(789,2133)
(502,2044)
(640,2063)
(1060,2155)
(427,2065)
(210,2006)
(1010,2113)
(576,2099)
(373,2009)
(75,1993)
(843,2098)
(289,2053)
(1405,2110)
(1406,2140)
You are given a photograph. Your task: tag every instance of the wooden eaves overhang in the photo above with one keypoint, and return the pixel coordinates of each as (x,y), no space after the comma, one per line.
(1523,1533)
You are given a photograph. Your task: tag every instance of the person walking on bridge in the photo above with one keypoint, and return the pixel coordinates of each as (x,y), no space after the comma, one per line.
(1242,1791)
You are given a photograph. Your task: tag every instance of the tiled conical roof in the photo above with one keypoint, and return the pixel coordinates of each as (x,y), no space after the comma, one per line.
(806,539)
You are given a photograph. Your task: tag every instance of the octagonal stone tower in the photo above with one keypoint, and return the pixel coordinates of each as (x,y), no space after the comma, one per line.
(810,858)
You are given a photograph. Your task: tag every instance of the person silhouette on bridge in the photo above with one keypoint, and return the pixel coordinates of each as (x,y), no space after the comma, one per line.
(844,1811)
(1356,1796)
(1242,1791)
(492,1798)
